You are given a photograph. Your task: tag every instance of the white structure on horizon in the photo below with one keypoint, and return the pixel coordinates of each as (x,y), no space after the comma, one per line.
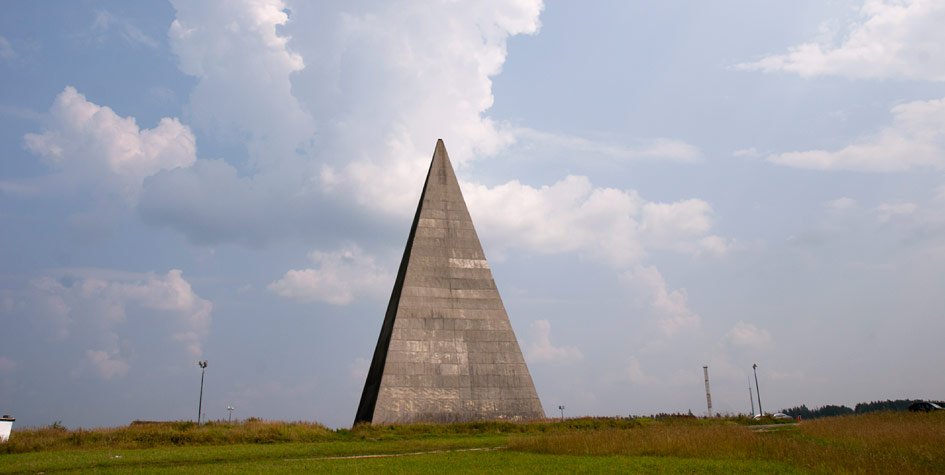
(6,426)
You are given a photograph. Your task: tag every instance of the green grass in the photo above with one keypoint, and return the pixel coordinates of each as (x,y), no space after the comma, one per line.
(295,457)
(873,443)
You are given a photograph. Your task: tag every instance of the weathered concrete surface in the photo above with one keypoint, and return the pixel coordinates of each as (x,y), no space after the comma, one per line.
(446,351)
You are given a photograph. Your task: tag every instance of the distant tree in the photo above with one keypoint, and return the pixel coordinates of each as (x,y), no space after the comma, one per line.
(862,408)
(888,405)
(831,410)
(826,411)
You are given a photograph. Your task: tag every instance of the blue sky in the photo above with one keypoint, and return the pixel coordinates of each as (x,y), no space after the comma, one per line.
(658,186)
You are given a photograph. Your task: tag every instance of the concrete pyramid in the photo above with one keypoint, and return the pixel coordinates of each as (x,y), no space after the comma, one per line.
(446,351)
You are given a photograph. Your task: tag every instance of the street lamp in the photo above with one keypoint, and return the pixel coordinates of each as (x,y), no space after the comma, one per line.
(203,369)
(561,408)
(230,408)
(754,367)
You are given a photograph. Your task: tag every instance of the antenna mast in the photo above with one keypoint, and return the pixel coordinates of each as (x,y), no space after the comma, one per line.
(708,394)
(751,397)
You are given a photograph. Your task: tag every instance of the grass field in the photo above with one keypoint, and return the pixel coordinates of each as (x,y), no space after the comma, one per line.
(873,443)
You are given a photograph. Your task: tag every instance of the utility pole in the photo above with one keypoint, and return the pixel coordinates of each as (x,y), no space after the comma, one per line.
(751,398)
(203,369)
(708,394)
(757,389)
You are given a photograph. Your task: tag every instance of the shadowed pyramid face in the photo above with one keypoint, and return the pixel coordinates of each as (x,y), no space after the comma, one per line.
(446,351)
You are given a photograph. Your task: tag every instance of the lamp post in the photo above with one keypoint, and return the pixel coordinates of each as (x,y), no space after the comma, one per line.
(754,367)
(561,408)
(203,369)
(230,408)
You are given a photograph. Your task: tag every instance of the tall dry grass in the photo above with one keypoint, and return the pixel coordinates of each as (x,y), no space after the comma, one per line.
(395,431)
(145,435)
(255,431)
(871,443)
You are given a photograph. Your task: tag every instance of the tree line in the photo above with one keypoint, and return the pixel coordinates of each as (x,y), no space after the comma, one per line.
(862,408)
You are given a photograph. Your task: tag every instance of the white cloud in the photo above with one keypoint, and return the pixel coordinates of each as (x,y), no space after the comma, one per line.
(891,39)
(91,146)
(843,203)
(338,104)
(338,279)
(748,335)
(243,66)
(681,226)
(656,149)
(671,307)
(615,226)
(352,96)
(6,49)
(107,364)
(887,211)
(89,309)
(389,80)
(540,349)
(915,139)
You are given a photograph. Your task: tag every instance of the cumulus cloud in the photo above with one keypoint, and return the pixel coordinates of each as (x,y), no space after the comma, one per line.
(89,309)
(338,278)
(332,100)
(671,307)
(890,39)
(243,67)
(748,335)
(390,80)
(915,139)
(338,106)
(572,215)
(106,364)
(540,349)
(92,146)
(341,103)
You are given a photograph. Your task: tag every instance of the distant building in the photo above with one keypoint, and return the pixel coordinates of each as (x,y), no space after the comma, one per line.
(6,426)
(923,406)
